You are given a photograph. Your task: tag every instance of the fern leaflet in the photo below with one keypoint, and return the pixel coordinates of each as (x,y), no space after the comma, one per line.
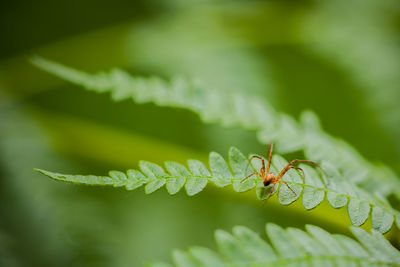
(338,190)
(290,247)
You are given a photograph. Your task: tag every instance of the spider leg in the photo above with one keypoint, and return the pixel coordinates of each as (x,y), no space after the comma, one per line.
(250,176)
(263,164)
(288,167)
(311,162)
(271,147)
(287,186)
(284,171)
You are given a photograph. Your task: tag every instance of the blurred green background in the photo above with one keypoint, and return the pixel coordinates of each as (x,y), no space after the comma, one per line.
(338,58)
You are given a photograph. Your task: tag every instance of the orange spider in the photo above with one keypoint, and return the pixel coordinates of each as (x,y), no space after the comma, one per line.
(271,178)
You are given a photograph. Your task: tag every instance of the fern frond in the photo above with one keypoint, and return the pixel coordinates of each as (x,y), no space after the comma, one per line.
(348,50)
(338,190)
(237,109)
(290,247)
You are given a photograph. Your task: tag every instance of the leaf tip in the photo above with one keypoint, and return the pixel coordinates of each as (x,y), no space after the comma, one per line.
(39,61)
(41,171)
(233,150)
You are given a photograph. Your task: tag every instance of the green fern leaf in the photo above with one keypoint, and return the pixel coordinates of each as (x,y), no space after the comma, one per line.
(180,172)
(382,220)
(377,245)
(358,211)
(181,259)
(283,245)
(253,245)
(220,170)
(206,257)
(238,163)
(158,264)
(293,247)
(230,248)
(196,177)
(312,196)
(235,109)
(199,180)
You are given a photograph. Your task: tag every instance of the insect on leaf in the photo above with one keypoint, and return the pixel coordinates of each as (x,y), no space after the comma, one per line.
(197,175)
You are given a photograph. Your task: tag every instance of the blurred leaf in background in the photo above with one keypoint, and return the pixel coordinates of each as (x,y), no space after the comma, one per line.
(337,58)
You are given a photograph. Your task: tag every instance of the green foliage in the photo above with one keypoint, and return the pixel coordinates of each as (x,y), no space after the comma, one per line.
(290,247)
(339,191)
(238,109)
(339,58)
(373,66)
(352,182)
